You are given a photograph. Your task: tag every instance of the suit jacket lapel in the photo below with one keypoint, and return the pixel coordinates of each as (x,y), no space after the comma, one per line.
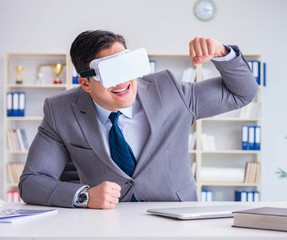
(153,110)
(84,111)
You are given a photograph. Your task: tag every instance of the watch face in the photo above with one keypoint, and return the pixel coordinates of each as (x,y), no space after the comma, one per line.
(204,10)
(82,198)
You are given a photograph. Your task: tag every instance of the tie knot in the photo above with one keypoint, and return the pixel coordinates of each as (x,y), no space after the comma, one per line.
(114,116)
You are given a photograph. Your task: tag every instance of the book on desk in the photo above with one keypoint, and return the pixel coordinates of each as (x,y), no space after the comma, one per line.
(268,218)
(11,215)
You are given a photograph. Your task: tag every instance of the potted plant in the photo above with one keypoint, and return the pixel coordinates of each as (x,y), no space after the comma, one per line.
(281,173)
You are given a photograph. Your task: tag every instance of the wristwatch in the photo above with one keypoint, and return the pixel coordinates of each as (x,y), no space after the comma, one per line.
(83,198)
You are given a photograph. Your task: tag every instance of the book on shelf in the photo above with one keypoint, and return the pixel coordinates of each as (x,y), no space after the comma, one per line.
(188,75)
(193,168)
(207,142)
(15,170)
(252,172)
(11,215)
(268,218)
(17,139)
(152,66)
(192,141)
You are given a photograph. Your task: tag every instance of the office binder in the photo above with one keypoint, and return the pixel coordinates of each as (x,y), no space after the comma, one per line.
(256,196)
(15,104)
(240,196)
(249,196)
(264,74)
(244,137)
(251,137)
(9,104)
(75,76)
(255,68)
(152,66)
(22,103)
(257,144)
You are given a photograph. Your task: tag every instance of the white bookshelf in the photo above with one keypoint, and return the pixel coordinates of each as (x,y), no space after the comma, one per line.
(36,91)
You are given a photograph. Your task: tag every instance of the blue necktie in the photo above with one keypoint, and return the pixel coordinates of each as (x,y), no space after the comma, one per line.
(121,152)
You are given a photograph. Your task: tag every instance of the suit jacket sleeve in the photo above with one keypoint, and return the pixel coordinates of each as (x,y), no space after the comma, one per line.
(234,89)
(39,183)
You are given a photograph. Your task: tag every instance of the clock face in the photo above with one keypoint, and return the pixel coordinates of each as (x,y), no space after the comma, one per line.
(204,10)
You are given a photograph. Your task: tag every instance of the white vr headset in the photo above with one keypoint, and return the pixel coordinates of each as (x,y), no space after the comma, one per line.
(118,68)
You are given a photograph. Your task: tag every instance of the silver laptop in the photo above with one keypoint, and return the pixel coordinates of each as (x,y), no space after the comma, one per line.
(200,212)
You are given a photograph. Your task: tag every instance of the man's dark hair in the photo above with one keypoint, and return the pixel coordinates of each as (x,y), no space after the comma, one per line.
(88,44)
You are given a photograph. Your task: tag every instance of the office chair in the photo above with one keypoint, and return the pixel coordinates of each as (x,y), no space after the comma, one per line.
(70,173)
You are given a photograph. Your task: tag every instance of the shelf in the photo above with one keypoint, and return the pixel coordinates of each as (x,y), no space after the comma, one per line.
(23,86)
(12,185)
(235,184)
(229,152)
(17,152)
(36,118)
(193,152)
(214,119)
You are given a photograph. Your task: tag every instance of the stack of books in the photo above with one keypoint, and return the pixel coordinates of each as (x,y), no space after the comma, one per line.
(252,172)
(17,139)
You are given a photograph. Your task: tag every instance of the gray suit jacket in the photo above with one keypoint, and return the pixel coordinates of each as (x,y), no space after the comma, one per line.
(70,130)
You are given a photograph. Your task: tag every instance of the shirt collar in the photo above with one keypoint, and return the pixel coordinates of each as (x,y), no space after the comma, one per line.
(103,114)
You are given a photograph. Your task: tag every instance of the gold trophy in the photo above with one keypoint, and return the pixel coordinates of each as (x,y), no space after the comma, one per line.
(57,69)
(19,70)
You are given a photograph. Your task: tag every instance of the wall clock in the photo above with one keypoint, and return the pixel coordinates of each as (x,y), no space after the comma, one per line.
(205,10)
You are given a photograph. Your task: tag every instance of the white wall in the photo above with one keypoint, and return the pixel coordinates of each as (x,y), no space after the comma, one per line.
(166,26)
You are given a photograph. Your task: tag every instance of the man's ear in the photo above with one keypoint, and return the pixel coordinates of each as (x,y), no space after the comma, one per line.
(85,84)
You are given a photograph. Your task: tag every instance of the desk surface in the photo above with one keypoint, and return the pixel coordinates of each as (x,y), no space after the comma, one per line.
(131,221)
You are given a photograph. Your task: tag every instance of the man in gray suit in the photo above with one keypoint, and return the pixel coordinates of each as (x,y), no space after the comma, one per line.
(157,113)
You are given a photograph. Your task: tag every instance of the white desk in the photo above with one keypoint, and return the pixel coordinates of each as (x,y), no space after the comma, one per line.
(130,221)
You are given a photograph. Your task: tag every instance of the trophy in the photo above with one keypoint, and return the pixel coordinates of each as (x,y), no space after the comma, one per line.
(57,69)
(19,70)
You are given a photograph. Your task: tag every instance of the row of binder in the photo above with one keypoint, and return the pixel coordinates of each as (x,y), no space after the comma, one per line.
(251,137)
(247,196)
(255,67)
(206,195)
(16,104)
(13,196)
(240,196)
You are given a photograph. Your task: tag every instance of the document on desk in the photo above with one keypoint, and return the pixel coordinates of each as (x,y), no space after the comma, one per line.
(199,212)
(11,215)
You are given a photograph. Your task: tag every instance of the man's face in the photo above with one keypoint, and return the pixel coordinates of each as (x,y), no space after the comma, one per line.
(113,98)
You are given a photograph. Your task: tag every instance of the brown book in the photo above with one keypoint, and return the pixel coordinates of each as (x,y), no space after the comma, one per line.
(269,218)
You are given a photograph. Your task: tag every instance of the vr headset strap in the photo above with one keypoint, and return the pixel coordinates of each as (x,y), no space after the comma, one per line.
(88,73)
